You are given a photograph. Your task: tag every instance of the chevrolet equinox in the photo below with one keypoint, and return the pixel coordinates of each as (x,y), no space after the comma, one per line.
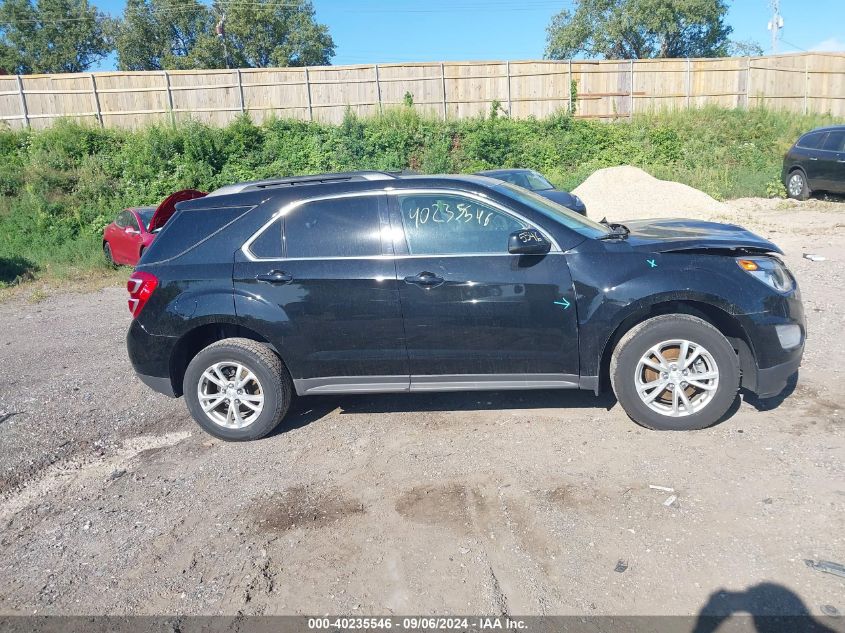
(371,282)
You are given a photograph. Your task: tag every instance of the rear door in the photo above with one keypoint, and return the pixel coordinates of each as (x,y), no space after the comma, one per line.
(809,156)
(475,315)
(832,161)
(321,283)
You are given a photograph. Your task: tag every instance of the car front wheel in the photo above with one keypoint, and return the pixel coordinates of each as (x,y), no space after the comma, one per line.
(237,389)
(675,373)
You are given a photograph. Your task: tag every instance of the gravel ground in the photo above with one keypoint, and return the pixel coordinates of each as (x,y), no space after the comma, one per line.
(113,501)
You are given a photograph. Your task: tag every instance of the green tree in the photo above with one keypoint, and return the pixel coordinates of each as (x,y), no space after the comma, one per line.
(52,36)
(161,34)
(174,34)
(639,29)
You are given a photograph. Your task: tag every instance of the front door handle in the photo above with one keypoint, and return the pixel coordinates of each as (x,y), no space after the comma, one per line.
(813,158)
(424,279)
(275,277)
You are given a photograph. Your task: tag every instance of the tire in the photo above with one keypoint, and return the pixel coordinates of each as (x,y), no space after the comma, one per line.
(271,383)
(107,254)
(708,352)
(796,185)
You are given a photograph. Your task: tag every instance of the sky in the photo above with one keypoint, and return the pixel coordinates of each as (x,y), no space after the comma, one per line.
(373,31)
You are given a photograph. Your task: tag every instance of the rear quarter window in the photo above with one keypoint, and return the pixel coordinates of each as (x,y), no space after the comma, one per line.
(187,229)
(813,140)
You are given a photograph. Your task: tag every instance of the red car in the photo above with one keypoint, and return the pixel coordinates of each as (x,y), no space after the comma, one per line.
(134,229)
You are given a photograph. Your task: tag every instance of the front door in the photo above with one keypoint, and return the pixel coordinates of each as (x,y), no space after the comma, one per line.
(475,315)
(326,295)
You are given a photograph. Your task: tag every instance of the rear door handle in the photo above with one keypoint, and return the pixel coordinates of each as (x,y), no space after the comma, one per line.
(275,277)
(813,158)
(424,279)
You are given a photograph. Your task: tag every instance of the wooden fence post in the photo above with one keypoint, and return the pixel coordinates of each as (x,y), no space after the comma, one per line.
(569,85)
(806,82)
(169,99)
(631,108)
(24,110)
(689,82)
(508,68)
(308,92)
(443,81)
(96,100)
(748,92)
(378,89)
(241,90)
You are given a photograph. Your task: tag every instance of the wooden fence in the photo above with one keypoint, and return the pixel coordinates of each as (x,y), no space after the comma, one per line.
(807,82)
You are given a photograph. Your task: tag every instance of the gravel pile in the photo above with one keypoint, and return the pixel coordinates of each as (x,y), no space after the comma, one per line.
(628,193)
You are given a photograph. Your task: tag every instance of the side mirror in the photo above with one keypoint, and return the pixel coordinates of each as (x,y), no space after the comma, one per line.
(528,242)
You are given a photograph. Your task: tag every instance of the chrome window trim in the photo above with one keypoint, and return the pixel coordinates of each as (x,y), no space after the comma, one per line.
(389,191)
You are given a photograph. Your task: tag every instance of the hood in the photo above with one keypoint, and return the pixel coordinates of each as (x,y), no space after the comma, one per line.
(688,235)
(167,207)
(568,200)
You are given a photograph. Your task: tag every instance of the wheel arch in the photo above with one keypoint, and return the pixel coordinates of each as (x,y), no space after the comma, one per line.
(200,337)
(726,323)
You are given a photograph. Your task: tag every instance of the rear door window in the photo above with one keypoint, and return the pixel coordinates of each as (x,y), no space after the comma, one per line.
(835,141)
(340,227)
(444,224)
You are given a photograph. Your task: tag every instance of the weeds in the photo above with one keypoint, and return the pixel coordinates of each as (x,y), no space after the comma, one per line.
(60,187)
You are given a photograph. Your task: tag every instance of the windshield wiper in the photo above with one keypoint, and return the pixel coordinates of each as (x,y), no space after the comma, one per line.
(617,231)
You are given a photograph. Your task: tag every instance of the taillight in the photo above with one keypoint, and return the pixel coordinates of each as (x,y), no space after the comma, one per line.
(140,286)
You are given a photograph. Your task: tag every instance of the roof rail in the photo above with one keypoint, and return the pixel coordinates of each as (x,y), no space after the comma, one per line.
(314,179)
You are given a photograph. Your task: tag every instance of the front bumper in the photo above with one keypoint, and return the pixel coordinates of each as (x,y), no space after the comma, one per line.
(772,380)
(769,332)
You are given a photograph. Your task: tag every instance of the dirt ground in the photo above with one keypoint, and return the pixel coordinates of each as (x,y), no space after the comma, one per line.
(113,501)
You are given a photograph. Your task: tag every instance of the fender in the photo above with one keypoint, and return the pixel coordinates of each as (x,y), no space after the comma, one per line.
(606,298)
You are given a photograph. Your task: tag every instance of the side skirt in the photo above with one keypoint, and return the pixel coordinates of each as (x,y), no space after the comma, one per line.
(451,382)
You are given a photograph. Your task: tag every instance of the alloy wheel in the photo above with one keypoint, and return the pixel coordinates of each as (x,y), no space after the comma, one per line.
(796,185)
(230,395)
(676,378)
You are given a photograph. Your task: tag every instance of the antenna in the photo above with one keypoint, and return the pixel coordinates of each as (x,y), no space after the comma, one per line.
(775,24)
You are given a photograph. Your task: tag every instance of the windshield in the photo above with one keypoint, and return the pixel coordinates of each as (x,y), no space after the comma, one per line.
(146,214)
(556,212)
(531,180)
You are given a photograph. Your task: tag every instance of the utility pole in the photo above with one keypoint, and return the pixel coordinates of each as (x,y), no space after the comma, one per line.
(221,33)
(775,24)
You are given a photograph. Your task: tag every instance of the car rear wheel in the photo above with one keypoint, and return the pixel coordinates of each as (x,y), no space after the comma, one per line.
(796,185)
(237,389)
(675,373)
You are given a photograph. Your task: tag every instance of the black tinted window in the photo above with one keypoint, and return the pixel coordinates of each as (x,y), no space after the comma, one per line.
(813,140)
(132,222)
(835,141)
(438,224)
(344,227)
(269,243)
(122,219)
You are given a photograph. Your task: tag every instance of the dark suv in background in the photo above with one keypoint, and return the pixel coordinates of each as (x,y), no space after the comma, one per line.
(816,163)
(369,282)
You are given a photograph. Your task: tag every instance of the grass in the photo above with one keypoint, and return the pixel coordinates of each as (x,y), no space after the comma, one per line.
(59,187)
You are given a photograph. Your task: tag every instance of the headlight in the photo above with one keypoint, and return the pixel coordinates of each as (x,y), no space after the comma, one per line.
(768,270)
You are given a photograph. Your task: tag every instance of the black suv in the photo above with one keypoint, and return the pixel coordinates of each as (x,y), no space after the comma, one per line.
(371,282)
(816,163)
